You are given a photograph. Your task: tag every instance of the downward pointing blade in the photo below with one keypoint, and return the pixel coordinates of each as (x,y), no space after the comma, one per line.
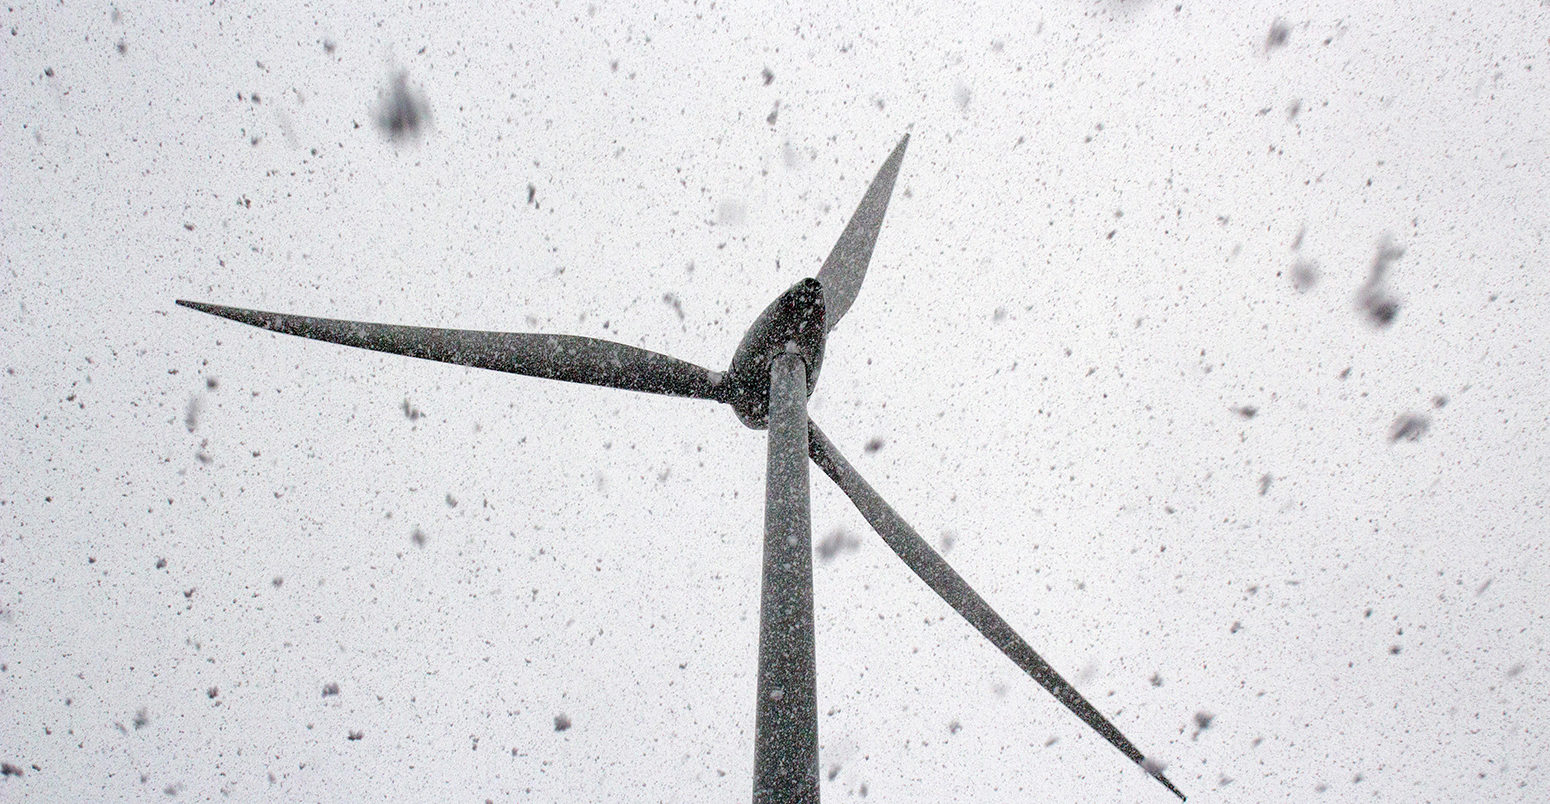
(555,357)
(843,271)
(943,580)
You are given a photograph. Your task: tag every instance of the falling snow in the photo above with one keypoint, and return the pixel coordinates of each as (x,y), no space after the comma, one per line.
(1251,461)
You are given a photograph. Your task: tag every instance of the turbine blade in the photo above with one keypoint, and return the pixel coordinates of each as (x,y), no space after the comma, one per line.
(943,580)
(555,357)
(843,271)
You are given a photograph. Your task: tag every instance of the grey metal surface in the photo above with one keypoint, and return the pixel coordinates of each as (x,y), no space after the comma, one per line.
(951,587)
(555,357)
(786,729)
(795,318)
(846,265)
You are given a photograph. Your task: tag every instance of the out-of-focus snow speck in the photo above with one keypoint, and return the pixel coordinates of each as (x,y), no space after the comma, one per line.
(672,300)
(403,112)
(874,444)
(418,537)
(838,541)
(731,212)
(561,722)
(795,158)
(1202,722)
(1381,307)
(1264,484)
(1386,256)
(191,414)
(1410,427)
(1279,33)
(1305,274)
(1246,411)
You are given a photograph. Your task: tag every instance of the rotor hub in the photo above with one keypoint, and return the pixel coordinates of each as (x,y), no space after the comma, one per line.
(792,324)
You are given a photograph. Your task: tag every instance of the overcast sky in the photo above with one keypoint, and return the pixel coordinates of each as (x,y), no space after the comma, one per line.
(1208,342)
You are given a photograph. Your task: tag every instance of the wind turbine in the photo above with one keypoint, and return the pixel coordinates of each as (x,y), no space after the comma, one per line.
(773,372)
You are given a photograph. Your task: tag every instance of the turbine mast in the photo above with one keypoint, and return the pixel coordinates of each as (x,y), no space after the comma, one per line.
(786,725)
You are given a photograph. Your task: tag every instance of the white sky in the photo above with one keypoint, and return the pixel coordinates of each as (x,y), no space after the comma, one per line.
(1087,267)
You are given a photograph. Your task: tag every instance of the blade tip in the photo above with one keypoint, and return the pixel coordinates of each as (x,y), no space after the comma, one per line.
(1155,770)
(202,307)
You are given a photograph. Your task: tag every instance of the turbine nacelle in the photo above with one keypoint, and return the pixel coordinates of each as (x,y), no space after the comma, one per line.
(792,324)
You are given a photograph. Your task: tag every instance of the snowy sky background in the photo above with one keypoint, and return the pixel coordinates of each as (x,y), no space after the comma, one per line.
(1112,343)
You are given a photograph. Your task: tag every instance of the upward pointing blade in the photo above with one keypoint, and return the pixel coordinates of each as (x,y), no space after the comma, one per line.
(554,357)
(843,271)
(943,580)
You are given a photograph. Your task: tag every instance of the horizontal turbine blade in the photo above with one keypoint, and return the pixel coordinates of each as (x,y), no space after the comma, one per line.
(554,357)
(943,580)
(843,271)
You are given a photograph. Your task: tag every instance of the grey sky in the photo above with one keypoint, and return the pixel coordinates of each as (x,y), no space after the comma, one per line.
(1117,345)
